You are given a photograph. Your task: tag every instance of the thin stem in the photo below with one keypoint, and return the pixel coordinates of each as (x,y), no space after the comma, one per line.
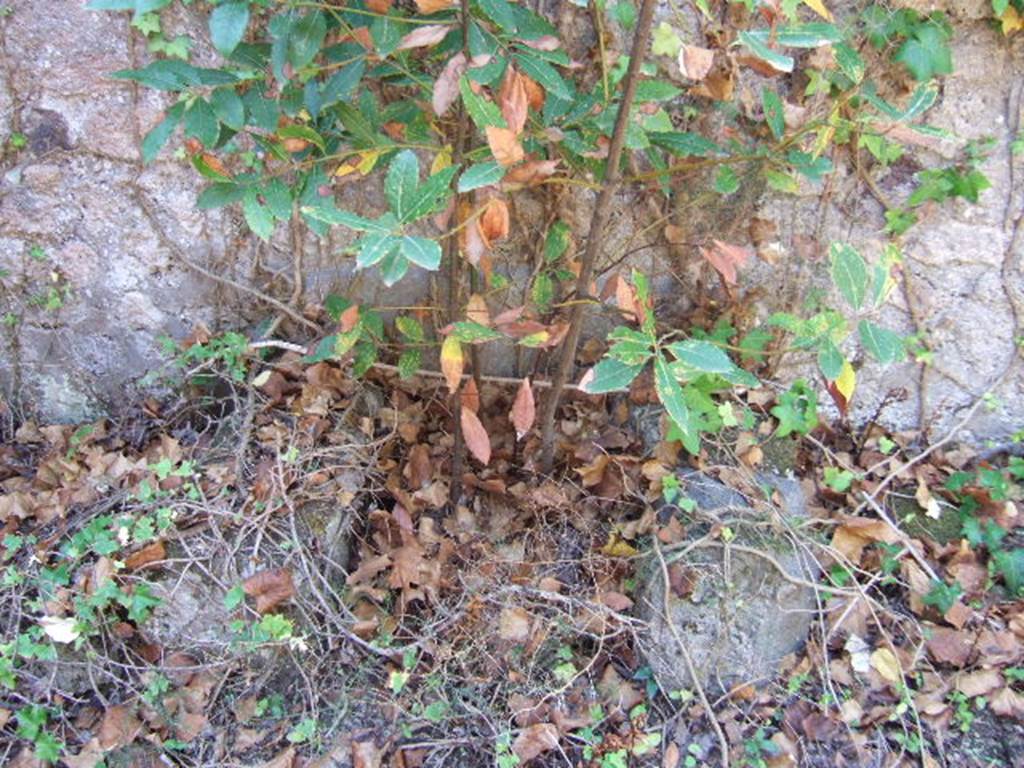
(599,220)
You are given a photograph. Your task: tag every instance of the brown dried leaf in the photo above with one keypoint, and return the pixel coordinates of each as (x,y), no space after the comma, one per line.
(419,470)
(119,728)
(534,741)
(476,437)
(424,36)
(504,145)
(726,258)
(981,682)
(270,588)
(427,7)
(530,172)
(151,553)
(617,692)
(695,62)
(514,624)
(523,410)
(477,311)
(446,87)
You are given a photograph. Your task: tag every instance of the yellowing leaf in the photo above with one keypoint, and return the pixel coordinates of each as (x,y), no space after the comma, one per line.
(819,8)
(452,362)
(442,160)
(885,664)
(1011,21)
(846,381)
(618,547)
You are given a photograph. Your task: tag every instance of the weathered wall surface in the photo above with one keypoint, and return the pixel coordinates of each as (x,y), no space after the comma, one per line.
(86,312)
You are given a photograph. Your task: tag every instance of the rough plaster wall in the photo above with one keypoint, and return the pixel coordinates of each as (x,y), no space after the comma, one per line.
(106,224)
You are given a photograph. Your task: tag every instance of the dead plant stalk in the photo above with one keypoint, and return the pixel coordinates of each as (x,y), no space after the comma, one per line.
(598,222)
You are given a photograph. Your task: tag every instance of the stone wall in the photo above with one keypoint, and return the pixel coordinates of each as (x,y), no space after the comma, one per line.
(110,278)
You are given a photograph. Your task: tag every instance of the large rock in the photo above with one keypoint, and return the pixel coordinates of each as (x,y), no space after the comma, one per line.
(742,615)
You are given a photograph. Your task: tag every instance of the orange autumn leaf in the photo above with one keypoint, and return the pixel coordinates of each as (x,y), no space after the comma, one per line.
(534,93)
(523,410)
(451,363)
(470,396)
(378,6)
(504,145)
(476,437)
(433,6)
(494,221)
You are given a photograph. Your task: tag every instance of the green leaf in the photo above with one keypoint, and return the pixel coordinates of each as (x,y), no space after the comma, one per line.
(278,198)
(655,90)
(470,332)
(556,242)
(227,106)
(480,175)
(630,347)
(409,363)
(797,410)
(410,328)
(850,62)
(702,356)
(625,13)
(342,83)
(757,45)
(830,361)
(201,164)
(386,34)
(305,38)
(543,291)
(227,25)
(201,123)
(257,215)
(726,180)
(612,376)
(773,112)
(217,195)
(665,41)
(927,53)
(422,251)
(345,219)
(429,195)
(1010,564)
(482,111)
(304,132)
(374,247)
(882,344)
(393,267)
(684,144)
(402,179)
(161,132)
(546,75)
(850,274)
(781,181)
(671,396)
(501,13)
(811,35)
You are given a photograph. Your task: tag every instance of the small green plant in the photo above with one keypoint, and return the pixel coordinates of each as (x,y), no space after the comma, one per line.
(504,756)
(965,709)
(757,750)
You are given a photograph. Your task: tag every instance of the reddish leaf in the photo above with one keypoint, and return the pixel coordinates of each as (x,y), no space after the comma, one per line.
(523,409)
(446,87)
(420,469)
(530,172)
(427,35)
(348,319)
(513,100)
(428,7)
(535,95)
(378,6)
(476,437)
(270,588)
(726,259)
